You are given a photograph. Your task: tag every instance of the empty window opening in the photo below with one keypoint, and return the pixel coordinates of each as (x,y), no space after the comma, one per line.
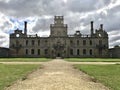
(84,51)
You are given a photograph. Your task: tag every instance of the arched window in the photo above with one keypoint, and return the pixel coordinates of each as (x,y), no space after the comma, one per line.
(84,51)
(38,42)
(38,51)
(32,51)
(100,51)
(33,42)
(46,51)
(84,42)
(100,42)
(90,42)
(71,51)
(26,42)
(91,52)
(71,42)
(77,42)
(78,52)
(26,51)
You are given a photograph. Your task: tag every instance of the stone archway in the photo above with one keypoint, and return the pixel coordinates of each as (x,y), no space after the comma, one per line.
(58,55)
(58,49)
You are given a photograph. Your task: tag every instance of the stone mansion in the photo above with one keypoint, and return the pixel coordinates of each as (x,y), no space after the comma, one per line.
(59,43)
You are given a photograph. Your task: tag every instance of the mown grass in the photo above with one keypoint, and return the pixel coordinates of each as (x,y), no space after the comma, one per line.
(10,73)
(109,75)
(24,59)
(93,59)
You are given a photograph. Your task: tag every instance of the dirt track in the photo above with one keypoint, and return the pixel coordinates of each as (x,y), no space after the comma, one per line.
(57,75)
(67,62)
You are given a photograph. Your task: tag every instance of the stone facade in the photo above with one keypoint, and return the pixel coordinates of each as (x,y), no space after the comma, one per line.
(4,52)
(114,52)
(59,43)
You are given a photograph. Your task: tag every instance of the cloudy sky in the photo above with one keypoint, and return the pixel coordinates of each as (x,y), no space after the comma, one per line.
(77,14)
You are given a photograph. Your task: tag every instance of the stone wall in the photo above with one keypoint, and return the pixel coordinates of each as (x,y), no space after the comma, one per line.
(114,52)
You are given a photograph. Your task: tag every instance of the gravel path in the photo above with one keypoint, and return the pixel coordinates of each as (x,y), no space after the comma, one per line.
(57,75)
(67,62)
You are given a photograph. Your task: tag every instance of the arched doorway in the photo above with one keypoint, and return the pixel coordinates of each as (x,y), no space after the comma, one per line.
(58,55)
(58,48)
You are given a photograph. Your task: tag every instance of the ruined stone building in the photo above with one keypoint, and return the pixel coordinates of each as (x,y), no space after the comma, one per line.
(4,52)
(114,52)
(59,43)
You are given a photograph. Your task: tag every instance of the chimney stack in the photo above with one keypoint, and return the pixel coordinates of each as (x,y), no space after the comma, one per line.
(101,26)
(92,28)
(25,28)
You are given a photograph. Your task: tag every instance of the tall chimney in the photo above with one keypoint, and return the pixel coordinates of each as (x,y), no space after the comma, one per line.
(101,26)
(92,28)
(25,28)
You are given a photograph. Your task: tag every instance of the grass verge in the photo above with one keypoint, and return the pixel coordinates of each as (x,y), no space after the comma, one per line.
(93,59)
(109,75)
(24,59)
(10,73)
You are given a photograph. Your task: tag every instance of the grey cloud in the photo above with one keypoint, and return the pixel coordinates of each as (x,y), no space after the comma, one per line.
(1,36)
(73,10)
(113,39)
(114,43)
(24,8)
(80,5)
(115,9)
(86,5)
(112,20)
(19,8)
(5,25)
(42,24)
(4,40)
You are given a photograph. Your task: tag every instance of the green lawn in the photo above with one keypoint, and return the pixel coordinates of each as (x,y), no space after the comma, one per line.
(92,59)
(24,59)
(109,75)
(10,73)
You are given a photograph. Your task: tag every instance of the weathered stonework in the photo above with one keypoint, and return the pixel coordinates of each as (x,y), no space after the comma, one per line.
(114,52)
(59,43)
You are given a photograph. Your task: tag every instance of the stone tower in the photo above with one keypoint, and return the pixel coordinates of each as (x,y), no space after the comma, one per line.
(58,29)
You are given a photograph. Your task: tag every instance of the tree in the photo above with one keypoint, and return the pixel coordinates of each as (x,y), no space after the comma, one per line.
(116,46)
